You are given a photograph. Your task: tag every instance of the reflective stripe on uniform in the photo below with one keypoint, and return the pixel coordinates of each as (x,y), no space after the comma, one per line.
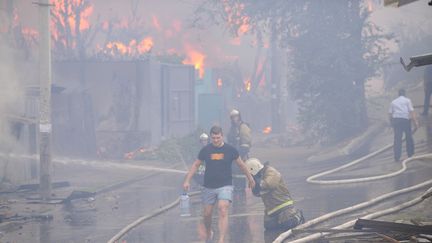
(287,203)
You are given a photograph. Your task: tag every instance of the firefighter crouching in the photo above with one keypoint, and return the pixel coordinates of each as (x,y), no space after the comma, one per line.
(280,213)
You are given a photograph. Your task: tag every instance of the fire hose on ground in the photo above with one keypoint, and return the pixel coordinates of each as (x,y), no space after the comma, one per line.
(147,217)
(137,222)
(320,219)
(312,179)
(349,224)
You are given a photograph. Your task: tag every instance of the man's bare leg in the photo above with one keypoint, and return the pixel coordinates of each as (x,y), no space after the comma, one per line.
(207,219)
(223,206)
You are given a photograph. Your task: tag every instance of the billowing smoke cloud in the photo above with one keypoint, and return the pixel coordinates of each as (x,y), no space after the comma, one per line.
(10,96)
(11,92)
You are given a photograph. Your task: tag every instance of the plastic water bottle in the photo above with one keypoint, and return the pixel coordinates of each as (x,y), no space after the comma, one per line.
(184,205)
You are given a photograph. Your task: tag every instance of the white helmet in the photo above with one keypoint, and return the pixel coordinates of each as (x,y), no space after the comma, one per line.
(203,136)
(234,112)
(254,165)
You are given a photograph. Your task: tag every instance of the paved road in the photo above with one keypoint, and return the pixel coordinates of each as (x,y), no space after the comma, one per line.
(314,200)
(98,220)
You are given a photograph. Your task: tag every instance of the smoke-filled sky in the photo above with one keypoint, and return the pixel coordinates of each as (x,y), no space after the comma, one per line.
(167,22)
(165,26)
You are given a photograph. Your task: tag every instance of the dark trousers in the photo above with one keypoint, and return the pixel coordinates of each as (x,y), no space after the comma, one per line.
(428,92)
(401,126)
(280,222)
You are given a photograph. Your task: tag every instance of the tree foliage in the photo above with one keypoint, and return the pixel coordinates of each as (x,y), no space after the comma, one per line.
(70,28)
(333,50)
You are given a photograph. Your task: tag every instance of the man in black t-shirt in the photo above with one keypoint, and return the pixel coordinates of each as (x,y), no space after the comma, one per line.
(218,157)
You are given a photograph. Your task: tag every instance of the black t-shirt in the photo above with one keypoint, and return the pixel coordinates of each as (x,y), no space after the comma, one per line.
(218,162)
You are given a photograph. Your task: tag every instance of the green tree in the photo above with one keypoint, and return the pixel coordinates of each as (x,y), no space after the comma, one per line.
(330,69)
(333,48)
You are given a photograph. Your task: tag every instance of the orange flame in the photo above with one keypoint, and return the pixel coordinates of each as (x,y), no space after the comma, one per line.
(267,130)
(60,7)
(261,72)
(129,155)
(156,23)
(145,45)
(369,6)
(15,18)
(84,22)
(105,25)
(219,83)
(236,18)
(132,49)
(117,46)
(196,58)
(66,27)
(248,85)
(30,34)
(262,81)
(244,26)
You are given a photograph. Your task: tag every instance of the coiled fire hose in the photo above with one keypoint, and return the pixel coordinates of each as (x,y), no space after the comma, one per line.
(312,179)
(349,224)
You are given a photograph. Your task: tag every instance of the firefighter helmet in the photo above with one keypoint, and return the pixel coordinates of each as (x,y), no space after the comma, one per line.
(254,165)
(203,136)
(234,112)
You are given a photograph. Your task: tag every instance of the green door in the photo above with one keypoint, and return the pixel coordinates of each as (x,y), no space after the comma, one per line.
(209,110)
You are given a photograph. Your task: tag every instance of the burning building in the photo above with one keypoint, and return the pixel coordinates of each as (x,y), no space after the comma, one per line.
(128,104)
(132,80)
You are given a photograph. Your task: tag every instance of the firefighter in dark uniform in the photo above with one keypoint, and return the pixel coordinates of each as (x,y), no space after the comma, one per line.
(280,213)
(240,137)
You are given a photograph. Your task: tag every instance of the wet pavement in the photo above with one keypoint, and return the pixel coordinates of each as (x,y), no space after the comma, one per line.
(246,223)
(100,218)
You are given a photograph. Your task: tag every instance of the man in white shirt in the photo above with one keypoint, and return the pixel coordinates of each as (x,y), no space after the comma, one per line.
(401,113)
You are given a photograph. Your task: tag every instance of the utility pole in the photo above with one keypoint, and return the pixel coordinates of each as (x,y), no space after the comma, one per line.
(45,126)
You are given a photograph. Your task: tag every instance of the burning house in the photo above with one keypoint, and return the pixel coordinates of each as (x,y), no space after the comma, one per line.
(131,81)
(119,106)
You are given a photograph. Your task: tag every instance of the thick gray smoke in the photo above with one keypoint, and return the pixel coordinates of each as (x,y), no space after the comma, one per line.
(11,100)
(11,93)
